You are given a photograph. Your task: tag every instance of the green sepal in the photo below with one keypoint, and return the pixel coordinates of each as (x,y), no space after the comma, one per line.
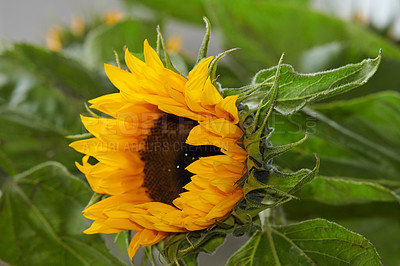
(117,60)
(164,54)
(252,143)
(292,182)
(266,188)
(91,112)
(212,70)
(148,256)
(184,247)
(266,94)
(272,151)
(206,40)
(96,197)
(254,122)
(80,136)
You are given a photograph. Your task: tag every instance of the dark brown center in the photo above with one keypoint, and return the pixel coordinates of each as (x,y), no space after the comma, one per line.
(166,155)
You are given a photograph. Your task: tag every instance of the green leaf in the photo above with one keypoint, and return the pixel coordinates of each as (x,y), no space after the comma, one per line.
(41,220)
(102,41)
(338,191)
(21,132)
(379,222)
(385,78)
(313,242)
(357,138)
(53,68)
(6,165)
(380,231)
(298,90)
(35,113)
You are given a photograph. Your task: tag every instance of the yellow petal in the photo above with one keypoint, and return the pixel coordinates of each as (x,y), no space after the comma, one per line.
(217,163)
(151,237)
(144,238)
(97,227)
(195,86)
(173,218)
(134,245)
(96,211)
(223,128)
(210,95)
(122,224)
(190,224)
(123,80)
(151,57)
(227,109)
(226,205)
(134,64)
(147,221)
(181,111)
(175,94)
(226,185)
(161,226)
(105,179)
(108,104)
(200,72)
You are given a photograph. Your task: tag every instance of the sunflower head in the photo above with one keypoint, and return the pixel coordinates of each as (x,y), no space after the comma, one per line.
(168,153)
(178,160)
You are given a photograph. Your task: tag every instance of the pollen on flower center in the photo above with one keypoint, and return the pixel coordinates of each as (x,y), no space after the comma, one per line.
(166,155)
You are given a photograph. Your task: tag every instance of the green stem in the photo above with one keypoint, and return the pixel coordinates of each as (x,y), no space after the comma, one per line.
(268,230)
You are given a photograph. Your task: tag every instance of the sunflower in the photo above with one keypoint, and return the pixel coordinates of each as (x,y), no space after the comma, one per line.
(168,153)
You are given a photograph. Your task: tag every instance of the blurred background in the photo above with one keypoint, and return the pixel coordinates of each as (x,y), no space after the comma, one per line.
(30,21)
(51,63)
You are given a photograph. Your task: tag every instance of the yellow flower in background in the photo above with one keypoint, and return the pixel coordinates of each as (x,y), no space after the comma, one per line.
(168,155)
(53,38)
(174,44)
(78,25)
(112,17)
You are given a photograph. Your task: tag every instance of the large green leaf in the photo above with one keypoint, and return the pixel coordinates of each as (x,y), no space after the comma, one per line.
(313,242)
(383,232)
(57,70)
(27,140)
(298,90)
(41,220)
(340,191)
(36,112)
(25,94)
(357,138)
(102,41)
(386,78)
(379,222)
